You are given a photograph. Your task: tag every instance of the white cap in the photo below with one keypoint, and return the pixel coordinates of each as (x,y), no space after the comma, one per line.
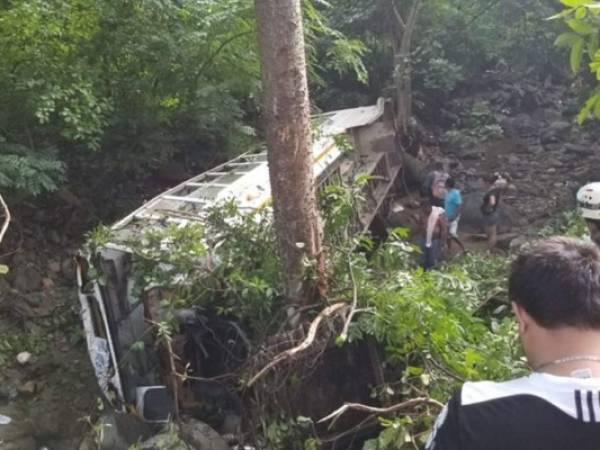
(588,200)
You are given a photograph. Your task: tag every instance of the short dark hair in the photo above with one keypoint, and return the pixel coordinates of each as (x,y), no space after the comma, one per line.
(557,282)
(450,183)
(491,179)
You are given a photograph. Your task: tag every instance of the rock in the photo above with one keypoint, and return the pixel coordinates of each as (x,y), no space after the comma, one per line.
(514,160)
(25,443)
(471,216)
(68,197)
(471,154)
(517,243)
(232,424)
(504,240)
(4,288)
(54,266)
(201,436)
(557,130)
(580,149)
(166,441)
(47,284)
(88,443)
(26,278)
(28,388)
(560,126)
(54,237)
(520,125)
(67,268)
(120,431)
(24,357)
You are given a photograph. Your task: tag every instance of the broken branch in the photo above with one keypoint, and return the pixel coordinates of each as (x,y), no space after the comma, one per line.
(353,309)
(381,411)
(6,218)
(312,332)
(399,19)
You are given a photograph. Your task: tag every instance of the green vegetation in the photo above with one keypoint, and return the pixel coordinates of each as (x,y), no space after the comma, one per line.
(113,91)
(435,328)
(583,40)
(141,82)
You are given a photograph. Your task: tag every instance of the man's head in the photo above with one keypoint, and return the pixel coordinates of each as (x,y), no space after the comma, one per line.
(496,181)
(555,289)
(450,183)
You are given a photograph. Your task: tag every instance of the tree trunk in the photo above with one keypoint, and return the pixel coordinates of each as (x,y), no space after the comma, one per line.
(287,119)
(402,32)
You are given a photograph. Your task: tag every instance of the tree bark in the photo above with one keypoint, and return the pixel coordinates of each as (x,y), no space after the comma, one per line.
(402,32)
(287,119)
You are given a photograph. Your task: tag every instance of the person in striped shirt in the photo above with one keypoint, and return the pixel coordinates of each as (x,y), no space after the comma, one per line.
(554,287)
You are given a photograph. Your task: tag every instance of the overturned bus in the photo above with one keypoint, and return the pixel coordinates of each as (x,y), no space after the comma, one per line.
(115,317)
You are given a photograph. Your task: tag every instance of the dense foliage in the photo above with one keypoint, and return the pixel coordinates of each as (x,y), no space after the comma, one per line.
(142,82)
(435,328)
(455,43)
(582,18)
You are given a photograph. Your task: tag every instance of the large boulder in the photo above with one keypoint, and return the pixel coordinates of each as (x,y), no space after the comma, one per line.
(190,434)
(119,432)
(471,216)
(200,436)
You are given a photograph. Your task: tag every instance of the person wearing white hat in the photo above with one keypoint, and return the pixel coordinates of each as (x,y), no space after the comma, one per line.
(588,200)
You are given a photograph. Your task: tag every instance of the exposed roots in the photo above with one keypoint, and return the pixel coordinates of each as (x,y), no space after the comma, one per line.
(334,416)
(6,218)
(304,345)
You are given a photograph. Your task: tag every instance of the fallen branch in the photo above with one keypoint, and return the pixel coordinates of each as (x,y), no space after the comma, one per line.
(334,416)
(6,218)
(312,332)
(353,309)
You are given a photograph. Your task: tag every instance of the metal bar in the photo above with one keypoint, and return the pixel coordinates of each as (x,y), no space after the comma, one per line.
(237,164)
(216,174)
(209,184)
(186,199)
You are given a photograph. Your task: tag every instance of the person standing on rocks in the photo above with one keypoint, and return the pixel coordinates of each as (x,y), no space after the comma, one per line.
(435,227)
(434,187)
(452,207)
(588,200)
(490,209)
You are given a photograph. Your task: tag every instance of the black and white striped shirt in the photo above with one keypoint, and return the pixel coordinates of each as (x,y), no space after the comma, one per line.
(538,412)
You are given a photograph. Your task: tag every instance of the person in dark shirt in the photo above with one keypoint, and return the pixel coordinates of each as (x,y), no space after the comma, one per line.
(554,287)
(490,209)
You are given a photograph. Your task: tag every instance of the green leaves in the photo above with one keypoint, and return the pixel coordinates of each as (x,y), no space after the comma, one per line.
(581,27)
(576,55)
(27,171)
(574,3)
(583,41)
